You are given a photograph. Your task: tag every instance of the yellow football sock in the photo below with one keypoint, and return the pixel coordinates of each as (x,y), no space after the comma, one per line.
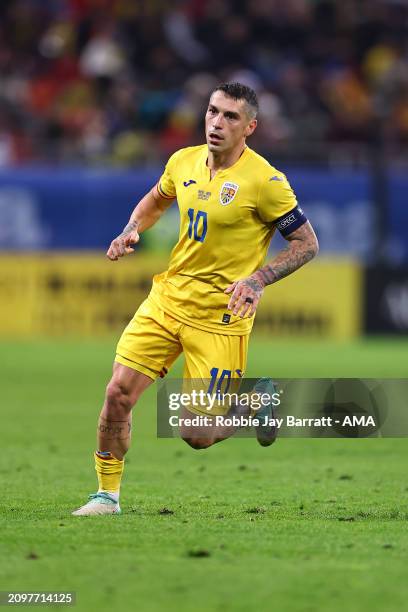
(109,471)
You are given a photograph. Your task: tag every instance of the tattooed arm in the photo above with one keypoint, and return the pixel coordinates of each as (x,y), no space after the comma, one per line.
(302,247)
(147,212)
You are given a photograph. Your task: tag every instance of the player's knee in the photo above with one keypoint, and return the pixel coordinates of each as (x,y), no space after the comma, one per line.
(118,396)
(198,443)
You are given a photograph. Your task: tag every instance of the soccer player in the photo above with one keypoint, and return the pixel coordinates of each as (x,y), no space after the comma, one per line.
(231,201)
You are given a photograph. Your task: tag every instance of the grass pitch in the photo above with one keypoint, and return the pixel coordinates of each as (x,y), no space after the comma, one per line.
(302,526)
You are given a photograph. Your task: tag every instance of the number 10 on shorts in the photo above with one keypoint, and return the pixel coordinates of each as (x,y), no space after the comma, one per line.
(225,378)
(197,227)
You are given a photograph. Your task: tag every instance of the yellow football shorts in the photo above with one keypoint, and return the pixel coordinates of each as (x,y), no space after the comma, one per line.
(153,340)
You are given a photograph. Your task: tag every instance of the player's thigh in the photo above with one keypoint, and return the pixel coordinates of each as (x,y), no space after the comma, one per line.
(213,363)
(213,356)
(149,344)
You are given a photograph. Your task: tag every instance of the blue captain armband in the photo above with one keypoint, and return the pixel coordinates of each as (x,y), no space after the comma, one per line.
(290,221)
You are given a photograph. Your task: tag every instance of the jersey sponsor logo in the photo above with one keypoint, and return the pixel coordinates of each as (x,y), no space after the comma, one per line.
(276,178)
(190,182)
(204,195)
(228,193)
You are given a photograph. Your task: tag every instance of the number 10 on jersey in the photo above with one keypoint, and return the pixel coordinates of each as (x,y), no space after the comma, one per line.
(197,227)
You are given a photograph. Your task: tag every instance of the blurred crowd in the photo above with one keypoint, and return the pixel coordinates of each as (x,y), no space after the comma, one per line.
(121,82)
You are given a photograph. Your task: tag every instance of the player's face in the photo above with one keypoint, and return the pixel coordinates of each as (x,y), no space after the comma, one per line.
(227,123)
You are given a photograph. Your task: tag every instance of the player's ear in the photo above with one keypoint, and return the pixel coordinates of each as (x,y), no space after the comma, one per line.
(250,129)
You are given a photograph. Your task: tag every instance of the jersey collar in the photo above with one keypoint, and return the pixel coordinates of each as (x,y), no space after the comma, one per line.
(224,170)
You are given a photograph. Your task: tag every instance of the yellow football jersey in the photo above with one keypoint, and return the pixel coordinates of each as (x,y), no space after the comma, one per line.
(226,225)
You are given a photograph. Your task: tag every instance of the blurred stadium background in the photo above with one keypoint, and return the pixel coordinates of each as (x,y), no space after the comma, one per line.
(96,94)
(94,97)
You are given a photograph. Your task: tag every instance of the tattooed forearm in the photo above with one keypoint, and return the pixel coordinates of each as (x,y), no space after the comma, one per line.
(289,260)
(303,246)
(132,225)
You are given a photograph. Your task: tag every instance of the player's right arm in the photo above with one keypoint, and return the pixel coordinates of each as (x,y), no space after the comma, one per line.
(147,212)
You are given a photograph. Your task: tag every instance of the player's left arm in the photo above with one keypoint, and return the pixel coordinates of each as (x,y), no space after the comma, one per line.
(246,293)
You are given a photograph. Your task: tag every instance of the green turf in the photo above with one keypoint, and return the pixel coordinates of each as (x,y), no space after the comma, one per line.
(302,526)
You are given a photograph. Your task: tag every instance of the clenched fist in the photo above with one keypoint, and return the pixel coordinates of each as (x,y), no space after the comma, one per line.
(122,245)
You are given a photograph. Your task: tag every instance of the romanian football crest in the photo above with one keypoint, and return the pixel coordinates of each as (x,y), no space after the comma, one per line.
(228,193)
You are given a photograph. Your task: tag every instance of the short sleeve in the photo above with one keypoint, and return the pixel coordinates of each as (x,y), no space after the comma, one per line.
(167,182)
(276,197)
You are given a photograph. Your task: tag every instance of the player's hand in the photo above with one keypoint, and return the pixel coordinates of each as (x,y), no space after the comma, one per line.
(122,245)
(245,297)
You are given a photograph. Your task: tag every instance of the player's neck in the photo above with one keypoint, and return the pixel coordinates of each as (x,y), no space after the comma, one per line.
(221,161)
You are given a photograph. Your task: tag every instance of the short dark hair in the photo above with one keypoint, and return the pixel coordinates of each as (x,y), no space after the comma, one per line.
(238,91)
